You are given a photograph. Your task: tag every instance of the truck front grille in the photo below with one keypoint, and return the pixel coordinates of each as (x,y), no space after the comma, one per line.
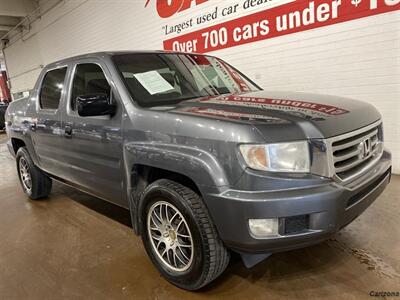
(354,153)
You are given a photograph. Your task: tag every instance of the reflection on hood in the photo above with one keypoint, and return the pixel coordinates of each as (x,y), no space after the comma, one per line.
(232,115)
(308,108)
(295,114)
(257,108)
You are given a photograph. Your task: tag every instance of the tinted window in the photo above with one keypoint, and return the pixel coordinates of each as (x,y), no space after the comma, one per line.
(89,79)
(52,86)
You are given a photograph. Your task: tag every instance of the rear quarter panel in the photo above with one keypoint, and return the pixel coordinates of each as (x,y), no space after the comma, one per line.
(18,119)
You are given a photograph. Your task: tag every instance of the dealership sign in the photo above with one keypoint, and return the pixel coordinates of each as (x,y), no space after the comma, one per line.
(279,20)
(168,8)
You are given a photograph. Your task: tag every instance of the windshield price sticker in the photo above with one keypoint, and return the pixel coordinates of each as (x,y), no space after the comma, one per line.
(153,82)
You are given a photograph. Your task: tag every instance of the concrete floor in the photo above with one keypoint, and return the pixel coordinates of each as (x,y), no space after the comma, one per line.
(74,246)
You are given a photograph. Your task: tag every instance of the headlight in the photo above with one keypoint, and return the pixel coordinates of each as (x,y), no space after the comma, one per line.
(285,157)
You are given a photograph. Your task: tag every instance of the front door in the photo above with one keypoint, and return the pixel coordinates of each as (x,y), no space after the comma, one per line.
(93,145)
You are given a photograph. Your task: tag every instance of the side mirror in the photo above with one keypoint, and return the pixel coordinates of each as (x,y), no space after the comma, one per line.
(94,105)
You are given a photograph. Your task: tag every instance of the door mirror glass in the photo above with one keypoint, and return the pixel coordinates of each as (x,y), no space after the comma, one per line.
(94,105)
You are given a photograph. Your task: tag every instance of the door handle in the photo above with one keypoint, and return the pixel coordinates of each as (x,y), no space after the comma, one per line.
(68,131)
(32,126)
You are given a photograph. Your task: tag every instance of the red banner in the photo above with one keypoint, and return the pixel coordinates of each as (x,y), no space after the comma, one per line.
(278,21)
(5,92)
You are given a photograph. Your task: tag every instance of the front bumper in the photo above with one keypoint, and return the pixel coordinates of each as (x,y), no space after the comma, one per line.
(328,207)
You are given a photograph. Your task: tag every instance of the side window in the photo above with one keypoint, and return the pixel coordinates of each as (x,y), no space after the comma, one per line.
(52,86)
(89,79)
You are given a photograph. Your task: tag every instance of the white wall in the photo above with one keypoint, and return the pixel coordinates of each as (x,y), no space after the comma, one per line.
(359,59)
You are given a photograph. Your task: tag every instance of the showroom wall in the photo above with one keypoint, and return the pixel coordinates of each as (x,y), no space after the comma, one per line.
(344,47)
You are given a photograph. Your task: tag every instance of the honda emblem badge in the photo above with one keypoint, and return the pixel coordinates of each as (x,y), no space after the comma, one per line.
(365,148)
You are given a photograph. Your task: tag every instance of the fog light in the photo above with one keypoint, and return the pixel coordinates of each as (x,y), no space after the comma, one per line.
(262,228)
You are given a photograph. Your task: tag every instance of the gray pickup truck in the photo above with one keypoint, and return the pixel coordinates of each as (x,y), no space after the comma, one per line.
(205,160)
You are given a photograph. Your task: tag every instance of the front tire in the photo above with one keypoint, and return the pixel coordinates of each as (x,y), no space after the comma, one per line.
(35,184)
(179,236)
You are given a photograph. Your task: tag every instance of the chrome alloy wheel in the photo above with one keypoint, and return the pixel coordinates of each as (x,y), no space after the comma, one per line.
(25,174)
(170,236)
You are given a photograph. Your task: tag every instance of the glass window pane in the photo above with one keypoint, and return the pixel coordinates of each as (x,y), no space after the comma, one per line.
(162,79)
(52,86)
(89,79)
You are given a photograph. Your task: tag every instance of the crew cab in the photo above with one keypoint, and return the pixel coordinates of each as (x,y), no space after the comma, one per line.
(204,159)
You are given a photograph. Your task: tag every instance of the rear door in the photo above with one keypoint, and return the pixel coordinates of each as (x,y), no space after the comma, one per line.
(93,145)
(46,127)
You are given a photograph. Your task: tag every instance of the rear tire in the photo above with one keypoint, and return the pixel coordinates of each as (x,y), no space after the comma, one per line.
(35,183)
(177,216)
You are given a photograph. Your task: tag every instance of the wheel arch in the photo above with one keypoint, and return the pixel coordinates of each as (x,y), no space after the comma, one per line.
(17,143)
(141,177)
(146,162)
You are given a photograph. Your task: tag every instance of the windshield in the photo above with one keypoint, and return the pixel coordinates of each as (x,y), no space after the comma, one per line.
(157,79)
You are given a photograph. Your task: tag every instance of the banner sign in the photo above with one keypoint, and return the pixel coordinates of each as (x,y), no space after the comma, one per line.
(277,21)
(168,8)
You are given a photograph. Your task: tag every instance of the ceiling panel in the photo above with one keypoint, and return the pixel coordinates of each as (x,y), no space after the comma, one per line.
(12,12)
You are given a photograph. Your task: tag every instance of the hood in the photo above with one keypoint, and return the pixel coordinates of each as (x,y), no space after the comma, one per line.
(284,116)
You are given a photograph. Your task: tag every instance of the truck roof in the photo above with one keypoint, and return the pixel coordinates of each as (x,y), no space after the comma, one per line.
(113,53)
